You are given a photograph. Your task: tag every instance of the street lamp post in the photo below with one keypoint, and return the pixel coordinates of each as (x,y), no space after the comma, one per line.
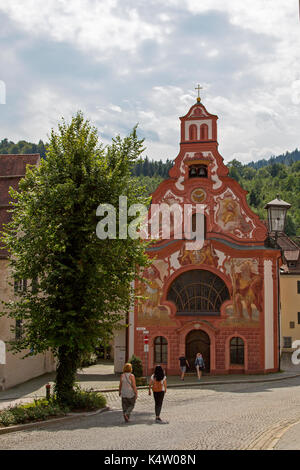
(277,210)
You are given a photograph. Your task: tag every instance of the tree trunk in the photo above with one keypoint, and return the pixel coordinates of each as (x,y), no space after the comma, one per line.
(68,362)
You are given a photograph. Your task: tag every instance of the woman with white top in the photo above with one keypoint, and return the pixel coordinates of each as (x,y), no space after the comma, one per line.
(128,391)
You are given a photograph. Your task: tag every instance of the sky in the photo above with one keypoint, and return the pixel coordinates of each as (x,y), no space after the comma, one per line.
(124,62)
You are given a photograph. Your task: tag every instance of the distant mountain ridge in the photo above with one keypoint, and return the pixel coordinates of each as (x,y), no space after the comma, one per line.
(287,159)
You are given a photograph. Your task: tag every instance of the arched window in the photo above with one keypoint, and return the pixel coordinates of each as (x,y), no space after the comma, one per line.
(198,292)
(160,350)
(204,132)
(193,132)
(237,349)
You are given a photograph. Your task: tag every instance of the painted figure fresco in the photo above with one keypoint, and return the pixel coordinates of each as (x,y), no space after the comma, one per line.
(206,255)
(150,312)
(247,289)
(229,217)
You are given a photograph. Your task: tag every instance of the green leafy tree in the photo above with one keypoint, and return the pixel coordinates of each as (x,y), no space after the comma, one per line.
(80,285)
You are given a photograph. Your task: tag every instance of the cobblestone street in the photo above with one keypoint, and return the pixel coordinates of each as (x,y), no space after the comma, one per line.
(231,416)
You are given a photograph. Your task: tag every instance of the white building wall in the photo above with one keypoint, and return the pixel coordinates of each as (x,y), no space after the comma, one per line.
(269,315)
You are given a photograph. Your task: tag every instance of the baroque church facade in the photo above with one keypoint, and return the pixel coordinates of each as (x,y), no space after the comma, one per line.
(220,299)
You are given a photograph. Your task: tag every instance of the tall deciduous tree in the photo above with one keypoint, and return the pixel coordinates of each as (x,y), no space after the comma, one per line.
(80,285)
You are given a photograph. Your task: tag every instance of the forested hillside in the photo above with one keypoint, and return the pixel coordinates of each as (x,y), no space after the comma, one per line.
(265,183)
(263,179)
(22,146)
(288,159)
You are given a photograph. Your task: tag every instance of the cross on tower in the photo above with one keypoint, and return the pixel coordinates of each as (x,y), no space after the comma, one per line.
(199,88)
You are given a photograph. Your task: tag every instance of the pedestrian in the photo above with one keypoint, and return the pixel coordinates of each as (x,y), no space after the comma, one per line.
(200,366)
(128,391)
(158,383)
(183,363)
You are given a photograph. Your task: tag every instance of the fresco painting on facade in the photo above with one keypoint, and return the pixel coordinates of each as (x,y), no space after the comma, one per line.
(247,295)
(149,293)
(206,255)
(229,217)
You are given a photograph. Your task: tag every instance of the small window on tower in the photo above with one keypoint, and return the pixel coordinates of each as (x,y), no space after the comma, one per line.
(204,132)
(193,132)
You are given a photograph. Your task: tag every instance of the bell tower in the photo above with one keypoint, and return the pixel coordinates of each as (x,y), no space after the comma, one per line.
(198,126)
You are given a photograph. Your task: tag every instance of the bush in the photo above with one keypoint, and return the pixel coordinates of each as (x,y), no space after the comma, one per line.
(87,400)
(42,409)
(39,410)
(7,418)
(137,366)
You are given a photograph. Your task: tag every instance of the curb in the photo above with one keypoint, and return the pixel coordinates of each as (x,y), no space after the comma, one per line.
(35,424)
(217,382)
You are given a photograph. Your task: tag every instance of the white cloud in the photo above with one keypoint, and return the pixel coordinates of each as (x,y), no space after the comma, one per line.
(212,53)
(146,58)
(93,26)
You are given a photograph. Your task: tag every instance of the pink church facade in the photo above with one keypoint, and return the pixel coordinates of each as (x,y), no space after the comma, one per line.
(220,299)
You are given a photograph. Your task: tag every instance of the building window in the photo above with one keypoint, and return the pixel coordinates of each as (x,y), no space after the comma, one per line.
(292,324)
(237,351)
(193,132)
(298,287)
(198,292)
(204,132)
(298,318)
(160,350)
(287,341)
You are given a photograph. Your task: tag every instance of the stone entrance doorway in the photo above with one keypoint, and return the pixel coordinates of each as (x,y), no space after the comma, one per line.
(198,341)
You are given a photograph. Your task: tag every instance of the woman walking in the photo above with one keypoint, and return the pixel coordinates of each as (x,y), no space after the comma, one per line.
(158,383)
(199,363)
(128,391)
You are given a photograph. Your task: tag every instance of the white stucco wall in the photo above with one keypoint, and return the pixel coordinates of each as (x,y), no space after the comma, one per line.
(269,315)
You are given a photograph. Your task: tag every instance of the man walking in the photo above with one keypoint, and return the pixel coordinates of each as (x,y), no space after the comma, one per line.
(183,362)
